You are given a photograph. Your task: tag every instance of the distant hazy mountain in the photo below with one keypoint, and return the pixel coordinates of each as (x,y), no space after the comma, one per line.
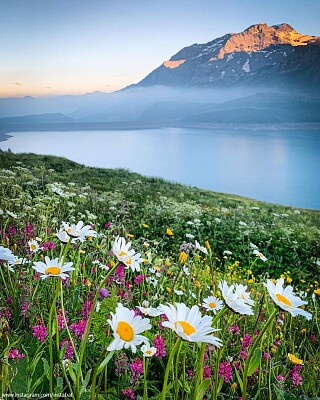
(264,74)
(56,118)
(277,55)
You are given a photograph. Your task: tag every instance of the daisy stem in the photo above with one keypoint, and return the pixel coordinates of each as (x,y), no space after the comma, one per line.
(254,346)
(199,377)
(52,310)
(168,367)
(95,374)
(87,331)
(145,371)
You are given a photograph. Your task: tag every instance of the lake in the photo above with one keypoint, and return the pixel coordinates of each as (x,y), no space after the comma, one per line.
(275,166)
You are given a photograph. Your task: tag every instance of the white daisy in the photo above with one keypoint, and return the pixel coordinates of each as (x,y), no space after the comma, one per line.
(189,324)
(148,351)
(286,299)
(243,295)
(150,311)
(260,255)
(127,328)
(232,299)
(212,303)
(76,231)
(33,245)
(129,257)
(201,248)
(52,268)
(7,255)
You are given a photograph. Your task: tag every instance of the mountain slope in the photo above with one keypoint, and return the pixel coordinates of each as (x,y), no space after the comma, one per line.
(278,55)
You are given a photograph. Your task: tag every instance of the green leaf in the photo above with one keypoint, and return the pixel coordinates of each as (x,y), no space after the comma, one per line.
(59,385)
(255,361)
(46,368)
(37,383)
(201,390)
(239,379)
(105,361)
(85,382)
(71,372)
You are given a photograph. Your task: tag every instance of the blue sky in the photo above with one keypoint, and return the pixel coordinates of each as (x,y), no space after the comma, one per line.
(50,47)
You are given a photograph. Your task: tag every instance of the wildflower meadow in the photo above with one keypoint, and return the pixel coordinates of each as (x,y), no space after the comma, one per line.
(117,286)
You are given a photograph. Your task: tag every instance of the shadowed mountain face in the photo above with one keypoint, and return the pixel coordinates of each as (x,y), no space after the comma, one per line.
(277,54)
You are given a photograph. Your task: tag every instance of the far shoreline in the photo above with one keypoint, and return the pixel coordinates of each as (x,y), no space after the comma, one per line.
(134,125)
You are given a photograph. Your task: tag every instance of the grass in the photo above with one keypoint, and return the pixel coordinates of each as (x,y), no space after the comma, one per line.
(60,329)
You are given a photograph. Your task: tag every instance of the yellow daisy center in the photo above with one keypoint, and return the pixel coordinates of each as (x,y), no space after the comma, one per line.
(33,246)
(69,230)
(122,254)
(188,329)
(53,270)
(125,331)
(283,299)
(212,304)
(149,352)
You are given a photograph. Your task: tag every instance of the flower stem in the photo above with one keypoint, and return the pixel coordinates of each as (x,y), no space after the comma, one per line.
(52,310)
(254,346)
(168,367)
(145,371)
(86,333)
(199,376)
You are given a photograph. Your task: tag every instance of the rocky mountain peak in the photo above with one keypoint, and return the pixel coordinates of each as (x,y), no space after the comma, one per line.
(260,36)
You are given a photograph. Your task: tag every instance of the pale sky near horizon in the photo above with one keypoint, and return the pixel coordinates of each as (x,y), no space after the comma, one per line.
(51,47)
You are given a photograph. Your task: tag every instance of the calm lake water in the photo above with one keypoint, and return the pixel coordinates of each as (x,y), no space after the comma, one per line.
(278,166)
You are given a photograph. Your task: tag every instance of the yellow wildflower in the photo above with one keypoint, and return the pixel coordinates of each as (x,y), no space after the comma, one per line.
(145,226)
(169,232)
(317,292)
(183,257)
(289,280)
(294,359)
(207,244)
(168,290)
(303,330)
(130,236)
(234,386)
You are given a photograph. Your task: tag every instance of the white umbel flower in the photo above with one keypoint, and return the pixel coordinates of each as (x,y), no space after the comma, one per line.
(52,268)
(127,328)
(286,299)
(212,303)
(233,300)
(189,324)
(123,253)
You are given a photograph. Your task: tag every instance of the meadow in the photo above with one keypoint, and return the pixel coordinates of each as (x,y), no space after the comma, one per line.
(118,286)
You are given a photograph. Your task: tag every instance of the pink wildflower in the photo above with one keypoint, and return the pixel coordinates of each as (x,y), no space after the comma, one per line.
(225,371)
(159,344)
(40,332)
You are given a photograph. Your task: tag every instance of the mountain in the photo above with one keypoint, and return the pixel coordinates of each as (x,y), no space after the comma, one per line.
(274,56)
(56,118)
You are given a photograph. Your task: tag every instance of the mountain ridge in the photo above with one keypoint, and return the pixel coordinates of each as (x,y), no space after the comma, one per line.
(233,58)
